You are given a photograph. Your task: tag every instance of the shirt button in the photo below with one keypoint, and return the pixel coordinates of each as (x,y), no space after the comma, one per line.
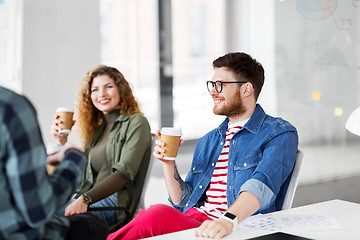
(193,168)
(187,205)
(221,143)
(213,164)
(230,188)
(245,164)
(234,142)
(200,186)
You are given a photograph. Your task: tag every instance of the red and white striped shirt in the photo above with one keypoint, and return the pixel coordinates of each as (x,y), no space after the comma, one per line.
(216,203)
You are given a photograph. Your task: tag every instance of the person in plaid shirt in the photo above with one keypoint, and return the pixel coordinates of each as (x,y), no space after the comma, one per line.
(29,195)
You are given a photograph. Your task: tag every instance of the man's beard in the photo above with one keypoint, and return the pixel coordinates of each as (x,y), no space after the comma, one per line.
(232,108)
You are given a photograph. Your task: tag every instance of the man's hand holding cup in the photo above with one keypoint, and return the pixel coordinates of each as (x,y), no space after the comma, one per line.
(167,145)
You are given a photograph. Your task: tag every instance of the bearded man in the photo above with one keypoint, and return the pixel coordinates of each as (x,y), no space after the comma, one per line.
(239,169)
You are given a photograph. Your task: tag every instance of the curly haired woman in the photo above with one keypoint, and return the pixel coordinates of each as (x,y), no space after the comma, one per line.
(117,140)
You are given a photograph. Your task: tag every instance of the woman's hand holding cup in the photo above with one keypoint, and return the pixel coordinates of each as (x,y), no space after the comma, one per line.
(62,125)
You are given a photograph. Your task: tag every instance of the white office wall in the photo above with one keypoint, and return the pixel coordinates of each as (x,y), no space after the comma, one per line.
(255,23)
(10,44)
(61,42)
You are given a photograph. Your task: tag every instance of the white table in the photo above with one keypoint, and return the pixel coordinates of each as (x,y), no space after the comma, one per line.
(347,214)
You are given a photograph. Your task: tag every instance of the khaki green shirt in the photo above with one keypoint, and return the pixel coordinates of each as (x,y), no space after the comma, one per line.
(128,150)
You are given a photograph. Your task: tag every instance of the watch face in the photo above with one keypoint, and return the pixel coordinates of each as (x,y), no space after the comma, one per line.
(230,215)
(86,198)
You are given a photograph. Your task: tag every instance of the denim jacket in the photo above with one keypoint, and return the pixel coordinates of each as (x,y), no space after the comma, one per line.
(261,157)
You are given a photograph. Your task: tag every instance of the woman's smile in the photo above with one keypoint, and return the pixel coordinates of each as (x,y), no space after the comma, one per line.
(105,94)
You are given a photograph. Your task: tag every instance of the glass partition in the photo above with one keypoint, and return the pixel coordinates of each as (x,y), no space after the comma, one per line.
(309,49)
(130,43)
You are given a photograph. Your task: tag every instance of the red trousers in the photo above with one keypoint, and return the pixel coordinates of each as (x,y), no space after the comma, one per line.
(157,220)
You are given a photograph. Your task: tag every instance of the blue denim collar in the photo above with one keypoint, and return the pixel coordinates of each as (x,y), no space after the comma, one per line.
(253,125)
(256,121)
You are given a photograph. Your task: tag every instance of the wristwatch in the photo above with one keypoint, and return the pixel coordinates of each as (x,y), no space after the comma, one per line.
(86,198)
(231,218)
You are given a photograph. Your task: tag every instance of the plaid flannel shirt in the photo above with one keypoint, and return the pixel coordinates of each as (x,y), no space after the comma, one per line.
(29,196)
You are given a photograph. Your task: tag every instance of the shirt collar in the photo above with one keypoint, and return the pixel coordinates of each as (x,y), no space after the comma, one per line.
(253,125)
(256,120)
(241,124)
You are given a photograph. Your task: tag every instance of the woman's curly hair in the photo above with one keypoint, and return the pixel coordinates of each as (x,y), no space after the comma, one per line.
(89,117)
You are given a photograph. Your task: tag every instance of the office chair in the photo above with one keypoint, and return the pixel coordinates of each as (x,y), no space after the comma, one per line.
(294,180)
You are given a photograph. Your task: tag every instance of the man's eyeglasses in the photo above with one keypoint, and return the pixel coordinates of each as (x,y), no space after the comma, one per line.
(218,85)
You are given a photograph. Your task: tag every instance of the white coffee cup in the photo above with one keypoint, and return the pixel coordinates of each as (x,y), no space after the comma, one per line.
(66,116)
(171,137)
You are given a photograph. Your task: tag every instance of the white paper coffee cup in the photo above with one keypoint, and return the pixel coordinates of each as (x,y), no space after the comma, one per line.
(171,137)
(53,148)
(66,116)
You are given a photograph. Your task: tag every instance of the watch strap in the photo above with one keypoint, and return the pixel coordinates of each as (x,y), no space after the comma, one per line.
(231,218)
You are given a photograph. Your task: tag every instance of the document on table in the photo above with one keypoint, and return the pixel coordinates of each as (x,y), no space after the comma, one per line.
(279,221)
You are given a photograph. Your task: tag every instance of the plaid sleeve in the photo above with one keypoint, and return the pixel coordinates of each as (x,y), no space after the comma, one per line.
(36,194)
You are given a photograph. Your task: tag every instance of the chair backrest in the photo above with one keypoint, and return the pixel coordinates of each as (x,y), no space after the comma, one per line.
(141,203)
(294,180)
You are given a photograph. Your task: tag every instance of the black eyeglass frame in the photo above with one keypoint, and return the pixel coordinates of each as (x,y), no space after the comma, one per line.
(216,84)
